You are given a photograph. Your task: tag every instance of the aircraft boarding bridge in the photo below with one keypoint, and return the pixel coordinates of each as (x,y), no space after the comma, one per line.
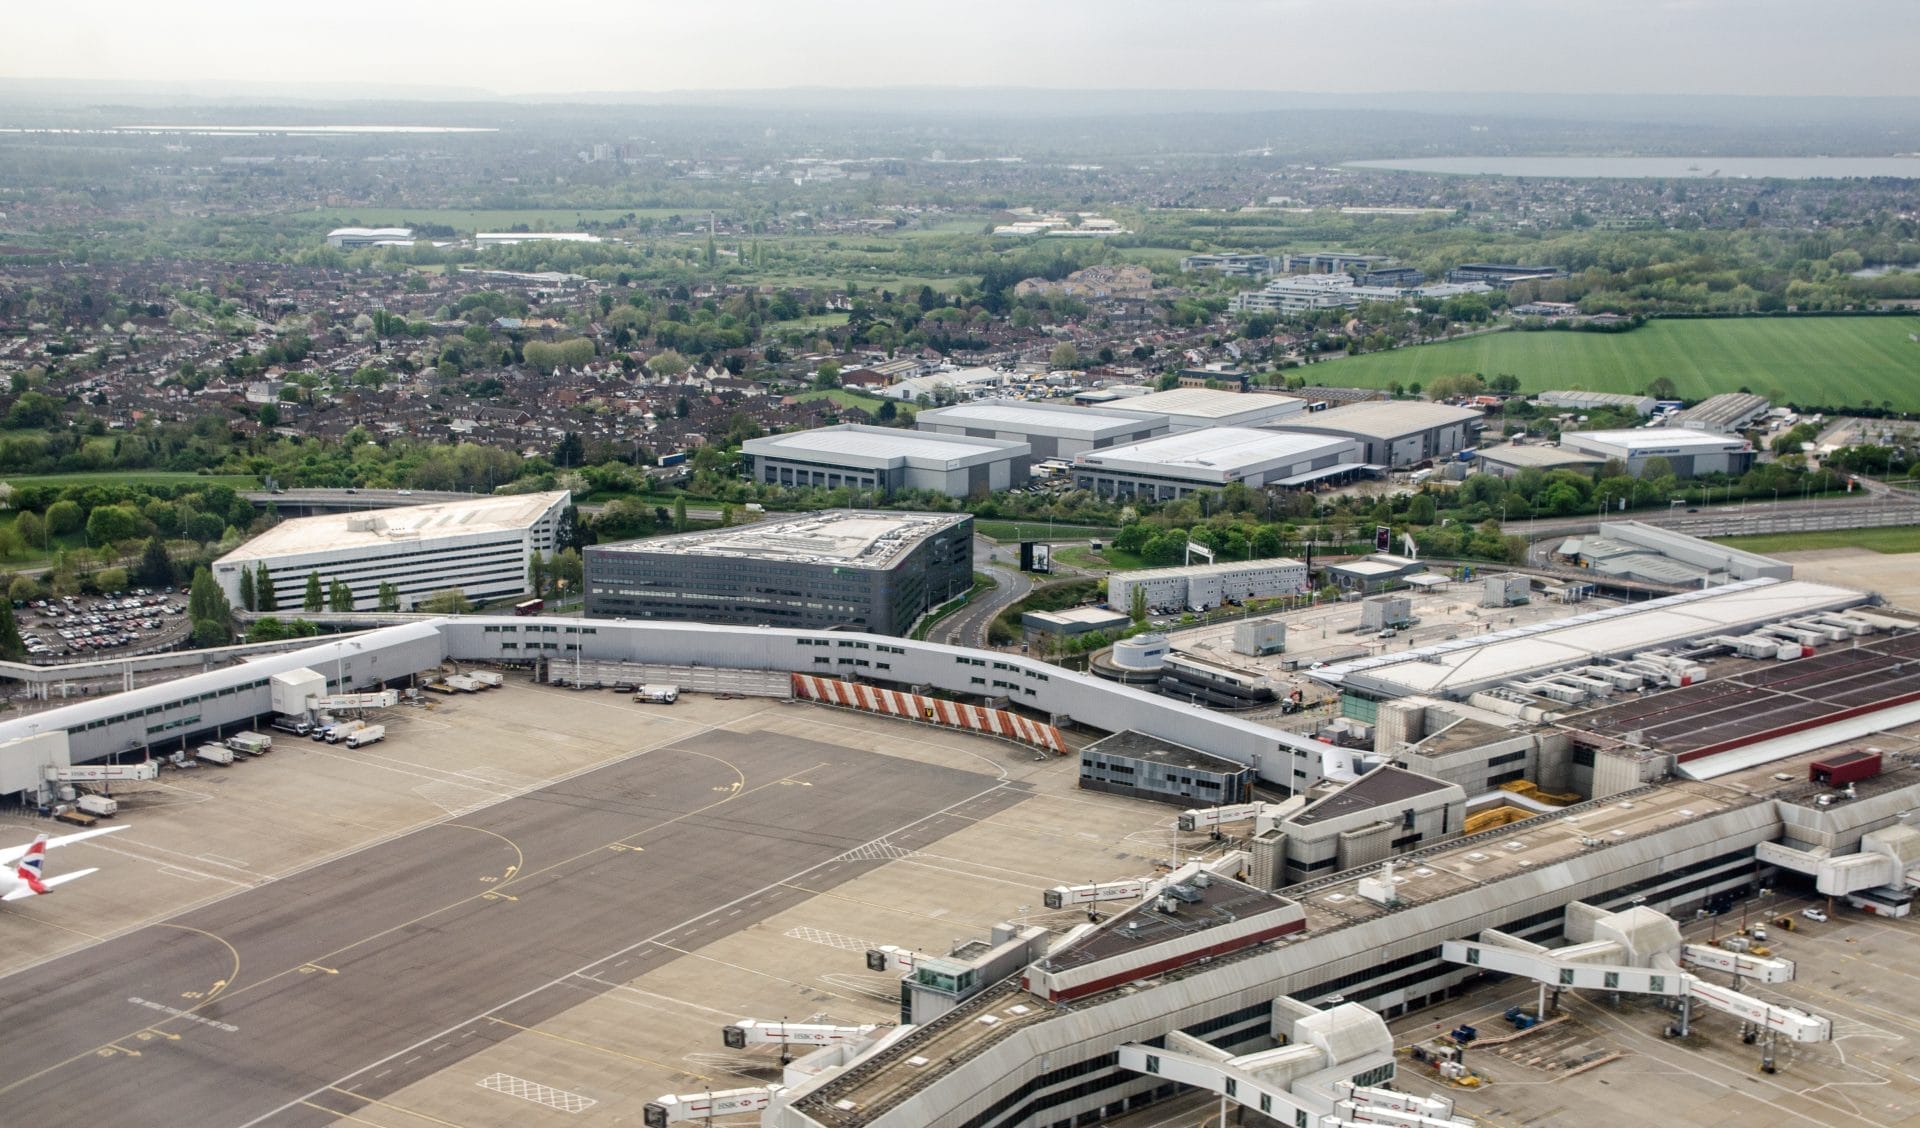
(1297,1084)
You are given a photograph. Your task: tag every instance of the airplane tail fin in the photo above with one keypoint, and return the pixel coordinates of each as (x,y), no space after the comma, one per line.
(31,864)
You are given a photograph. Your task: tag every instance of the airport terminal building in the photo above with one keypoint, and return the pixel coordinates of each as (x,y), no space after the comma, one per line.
(864,571)
(482,547)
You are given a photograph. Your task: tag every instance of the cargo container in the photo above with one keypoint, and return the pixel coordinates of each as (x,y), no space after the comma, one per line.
(461,683)
(102,805)
(252,743)
(214,754)
(488,679)
(370,734)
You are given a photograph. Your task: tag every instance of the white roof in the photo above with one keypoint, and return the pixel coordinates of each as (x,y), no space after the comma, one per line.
(1461,665)
(1640,439)
(1216,453)
(371,233)
(408,524)
(1385,419)
(1210,403)
(1012,415)
(882,444)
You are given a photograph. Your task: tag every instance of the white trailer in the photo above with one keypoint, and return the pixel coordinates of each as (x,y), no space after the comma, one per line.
(657,694)
(214,754)
(488,679)
(462,683)
(370,734)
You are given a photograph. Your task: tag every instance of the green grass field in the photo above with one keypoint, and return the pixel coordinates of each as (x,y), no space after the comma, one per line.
(134,478)
(844,397)
(1830,361)
(1899,538)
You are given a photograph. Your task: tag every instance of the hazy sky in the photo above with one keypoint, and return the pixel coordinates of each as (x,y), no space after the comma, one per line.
(1856,47)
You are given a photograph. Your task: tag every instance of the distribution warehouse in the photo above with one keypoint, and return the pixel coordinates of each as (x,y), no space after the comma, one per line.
(1052,430)
(1397,433)
(1188,409)
(1176,465)
(875,571)
(1687,453)
(482,547)
(886,459)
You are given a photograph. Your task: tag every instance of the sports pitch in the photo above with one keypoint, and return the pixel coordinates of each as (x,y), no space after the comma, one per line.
(1828,361)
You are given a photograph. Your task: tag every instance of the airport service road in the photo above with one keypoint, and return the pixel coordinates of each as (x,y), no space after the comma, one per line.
(302,1000)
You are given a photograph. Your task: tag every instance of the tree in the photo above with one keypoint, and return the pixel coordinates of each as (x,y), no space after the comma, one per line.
(1138,610)
(568,569)
(680,514)
(269,415)
(111,524)
(1661,388)
(448,601)
(1064,355)
(264,597)
(12,646)
(314,600)
(24,589)
(156,568)
(537,570)
(208,609)
(339,596)
(64,517)
(828,375)
(248,599)
(666,363)
(389,596)
(570,451)
(210,632)
(32,530)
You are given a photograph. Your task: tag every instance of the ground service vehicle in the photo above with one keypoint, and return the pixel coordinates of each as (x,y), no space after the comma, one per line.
(341,731)
(369,734)
(214,754)
(102,805)
(294,725)
(252,743)
(657,694)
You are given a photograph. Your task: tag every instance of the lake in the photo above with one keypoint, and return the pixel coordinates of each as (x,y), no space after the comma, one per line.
(1785,168)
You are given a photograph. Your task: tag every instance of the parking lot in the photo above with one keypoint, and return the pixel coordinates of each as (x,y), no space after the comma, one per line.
(90,626)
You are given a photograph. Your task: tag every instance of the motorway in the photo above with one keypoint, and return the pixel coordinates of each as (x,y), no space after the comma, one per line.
(307,999)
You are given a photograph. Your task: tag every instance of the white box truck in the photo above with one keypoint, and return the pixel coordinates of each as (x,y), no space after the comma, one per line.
(252,743)
(105,806)
(369,734)
(214,754)
(339,732)
(488,679)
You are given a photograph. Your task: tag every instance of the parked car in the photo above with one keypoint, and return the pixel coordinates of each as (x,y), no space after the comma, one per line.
(1814,914)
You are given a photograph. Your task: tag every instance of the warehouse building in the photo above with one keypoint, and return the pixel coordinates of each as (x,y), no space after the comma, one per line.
(1398,433)
(1506,461)
(1635,550)
(1176,465)
(1051,430)
(1728,413)
(482,547)
(1688,454)
(842,568)
(886,459)
(1583,401)
(1201,586)
(1189,409)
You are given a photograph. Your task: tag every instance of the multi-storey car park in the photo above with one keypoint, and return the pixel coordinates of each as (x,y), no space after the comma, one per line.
(482,546)
(1710,773)
(877,571)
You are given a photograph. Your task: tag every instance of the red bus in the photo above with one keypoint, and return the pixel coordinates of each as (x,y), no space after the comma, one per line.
(530,607)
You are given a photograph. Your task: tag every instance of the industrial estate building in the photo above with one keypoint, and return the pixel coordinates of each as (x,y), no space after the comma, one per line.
(1133,763)
(1728,413)
(1176,465)
(886,459)
(1635,550)
(1506,461)
(348,238)
(1688,454)
(1198,587)
(482,547)
(1189,409)
(1398,433)
(1581,401)
(1050,430)
(871,571)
